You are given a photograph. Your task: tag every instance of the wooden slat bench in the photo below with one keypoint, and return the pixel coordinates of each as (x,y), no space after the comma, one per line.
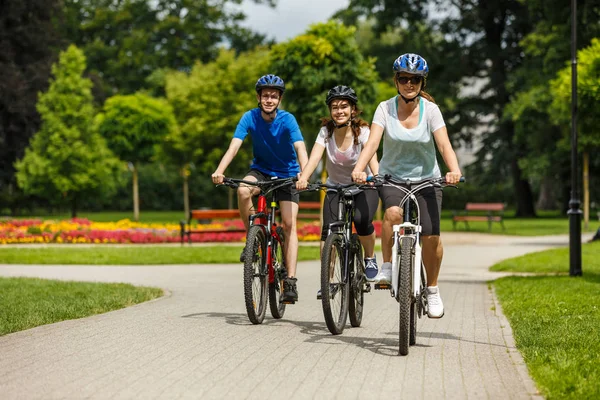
(495,213)
(207,217)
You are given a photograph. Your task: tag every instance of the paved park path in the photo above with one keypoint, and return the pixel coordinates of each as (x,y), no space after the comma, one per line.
(196,342)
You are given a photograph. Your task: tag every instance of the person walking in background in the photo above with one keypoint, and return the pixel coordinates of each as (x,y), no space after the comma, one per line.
(279,151)
(409,124)
(342,137)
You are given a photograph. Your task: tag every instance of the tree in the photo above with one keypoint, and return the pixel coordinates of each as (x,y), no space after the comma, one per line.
(133,126)
(483,46)
(208,103)
(588,103)
(29,44)
(545,161)
(67,159)
(126,41)
(312,63)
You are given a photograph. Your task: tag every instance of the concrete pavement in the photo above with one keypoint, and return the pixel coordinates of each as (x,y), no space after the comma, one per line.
(197,342)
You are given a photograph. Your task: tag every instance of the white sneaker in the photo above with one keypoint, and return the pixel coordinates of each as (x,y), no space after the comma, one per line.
(385,275)
(435,306)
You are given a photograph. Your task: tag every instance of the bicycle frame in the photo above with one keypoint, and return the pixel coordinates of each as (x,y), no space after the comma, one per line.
(265,217)
(343,226)
(410,229)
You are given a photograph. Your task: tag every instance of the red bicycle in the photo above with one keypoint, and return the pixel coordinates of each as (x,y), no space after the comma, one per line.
(264,259)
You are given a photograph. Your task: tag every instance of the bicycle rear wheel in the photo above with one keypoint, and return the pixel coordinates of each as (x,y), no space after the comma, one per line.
(404,294)
(334,290)
(357,295)
(279,274)
(255,274)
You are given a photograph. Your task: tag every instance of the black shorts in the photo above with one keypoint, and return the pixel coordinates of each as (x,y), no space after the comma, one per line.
(286,193)
(365,206)
(430,205)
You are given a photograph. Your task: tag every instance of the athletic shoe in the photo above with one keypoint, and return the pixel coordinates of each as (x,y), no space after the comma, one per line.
(371,269)
(290,292)
(385,275)
(435,306)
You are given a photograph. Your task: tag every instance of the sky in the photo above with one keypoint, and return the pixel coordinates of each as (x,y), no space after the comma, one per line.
(290,18)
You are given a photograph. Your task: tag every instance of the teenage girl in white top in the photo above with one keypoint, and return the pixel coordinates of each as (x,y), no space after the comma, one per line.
(342,137)
(409,124)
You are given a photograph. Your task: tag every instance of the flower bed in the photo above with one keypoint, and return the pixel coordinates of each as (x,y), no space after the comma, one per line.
(81,230)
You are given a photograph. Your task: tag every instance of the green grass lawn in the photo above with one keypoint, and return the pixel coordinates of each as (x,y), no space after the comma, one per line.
(133,255)
(556,320)
(29,302)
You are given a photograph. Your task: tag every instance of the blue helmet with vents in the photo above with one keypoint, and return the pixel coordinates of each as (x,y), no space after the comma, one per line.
(412,64)
(270,81)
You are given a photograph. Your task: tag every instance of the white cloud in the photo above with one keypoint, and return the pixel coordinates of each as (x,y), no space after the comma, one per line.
(290,18)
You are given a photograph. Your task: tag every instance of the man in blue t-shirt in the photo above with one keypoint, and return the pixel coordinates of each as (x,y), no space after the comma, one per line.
(279,150)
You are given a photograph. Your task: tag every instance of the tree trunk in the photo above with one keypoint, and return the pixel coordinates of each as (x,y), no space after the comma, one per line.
(74,207)
(186,195)
(136,197)
(547,199)
(523,194)
(586,190)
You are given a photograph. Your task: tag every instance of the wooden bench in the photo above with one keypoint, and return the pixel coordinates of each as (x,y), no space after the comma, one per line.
(205,217)
(495,213)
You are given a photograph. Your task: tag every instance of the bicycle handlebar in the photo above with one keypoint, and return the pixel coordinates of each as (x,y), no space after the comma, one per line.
(265,186)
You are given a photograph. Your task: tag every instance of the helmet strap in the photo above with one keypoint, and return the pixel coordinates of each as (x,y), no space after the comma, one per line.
(407,100)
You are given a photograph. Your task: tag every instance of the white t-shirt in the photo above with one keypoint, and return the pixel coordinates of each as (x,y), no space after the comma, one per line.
(339,163)
(409,153)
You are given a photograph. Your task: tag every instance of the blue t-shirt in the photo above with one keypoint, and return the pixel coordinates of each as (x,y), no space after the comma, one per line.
(272,142)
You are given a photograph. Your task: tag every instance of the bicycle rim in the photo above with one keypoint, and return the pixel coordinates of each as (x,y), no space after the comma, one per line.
(404,294)
(255,275)
(279,272)
(357,295)
(334,291)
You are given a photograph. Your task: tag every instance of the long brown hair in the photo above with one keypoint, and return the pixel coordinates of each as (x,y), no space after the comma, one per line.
(422,93)
(356,123)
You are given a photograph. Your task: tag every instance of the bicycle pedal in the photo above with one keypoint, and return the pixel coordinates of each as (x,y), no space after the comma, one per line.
(382,286)
(319,297)
(288,302)
(367,288)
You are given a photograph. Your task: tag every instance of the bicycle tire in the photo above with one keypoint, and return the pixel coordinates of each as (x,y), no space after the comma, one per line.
(279,274)
(334,291)
(404,294)
(357,294)
(255,275)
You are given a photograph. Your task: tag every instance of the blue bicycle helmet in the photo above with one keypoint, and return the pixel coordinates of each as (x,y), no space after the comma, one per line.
(412,64)
(270,81)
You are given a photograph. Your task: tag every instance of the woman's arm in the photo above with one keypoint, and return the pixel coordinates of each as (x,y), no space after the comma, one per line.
(367,154)
(315,156)
(445,148)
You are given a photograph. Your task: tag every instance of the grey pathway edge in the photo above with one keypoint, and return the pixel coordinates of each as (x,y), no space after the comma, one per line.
(197,342)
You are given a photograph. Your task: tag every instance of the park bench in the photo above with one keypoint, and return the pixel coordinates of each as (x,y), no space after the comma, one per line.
(206,217)
(494,212)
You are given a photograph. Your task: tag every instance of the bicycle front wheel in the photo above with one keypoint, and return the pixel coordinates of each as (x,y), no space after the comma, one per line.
(357,295)
(255,274)
(279,274)
(334,288)
(404,293)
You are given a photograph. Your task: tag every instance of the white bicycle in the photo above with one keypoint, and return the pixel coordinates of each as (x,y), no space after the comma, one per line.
(409,278)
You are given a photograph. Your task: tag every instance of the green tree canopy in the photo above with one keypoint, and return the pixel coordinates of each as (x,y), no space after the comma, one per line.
(134,125)
(67,159)
(29,44)
(312,63)
(125,41)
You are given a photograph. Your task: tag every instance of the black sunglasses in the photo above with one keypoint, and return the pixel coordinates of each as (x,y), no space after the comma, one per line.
(415,80)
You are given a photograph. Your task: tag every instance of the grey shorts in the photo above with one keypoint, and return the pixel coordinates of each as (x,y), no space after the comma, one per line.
(286,193)
(430,205)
